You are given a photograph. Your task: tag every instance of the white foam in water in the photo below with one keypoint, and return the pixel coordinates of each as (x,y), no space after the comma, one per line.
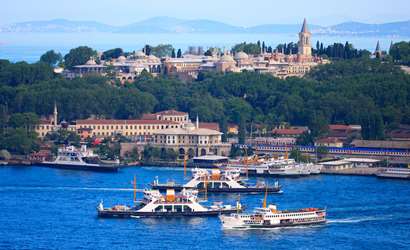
(358,219)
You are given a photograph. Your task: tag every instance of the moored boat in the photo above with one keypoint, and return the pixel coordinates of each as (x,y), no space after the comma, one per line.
(154,204)
(83,159)
(394,173)
(216,181)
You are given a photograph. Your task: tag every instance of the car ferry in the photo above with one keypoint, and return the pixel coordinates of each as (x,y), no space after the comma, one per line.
(83,159)
(217,181)
(155,204)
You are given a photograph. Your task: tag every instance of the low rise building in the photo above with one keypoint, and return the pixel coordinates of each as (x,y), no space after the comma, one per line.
(336,165)
(329,142)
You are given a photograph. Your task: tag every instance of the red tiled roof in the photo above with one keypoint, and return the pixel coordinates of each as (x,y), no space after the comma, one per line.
(149,117)
(328,140)
(339,127)
(209,125)
(45,122)
(171,112)
(289,131)
(399,134)
(122,122)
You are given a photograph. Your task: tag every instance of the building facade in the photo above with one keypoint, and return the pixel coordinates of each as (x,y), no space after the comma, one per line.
(191,141)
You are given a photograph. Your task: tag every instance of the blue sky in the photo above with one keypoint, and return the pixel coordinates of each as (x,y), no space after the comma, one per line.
(237,12)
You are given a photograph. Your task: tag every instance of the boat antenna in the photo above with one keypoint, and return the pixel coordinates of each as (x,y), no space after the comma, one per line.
(238,203)
(266,197)
(135,188)
(206,187)
(246,162)
(185,165)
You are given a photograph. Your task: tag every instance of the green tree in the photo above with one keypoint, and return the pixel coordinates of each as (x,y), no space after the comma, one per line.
(242,131)
(162,50)
(51,58)
(78,56)
(112,53)
(179,53)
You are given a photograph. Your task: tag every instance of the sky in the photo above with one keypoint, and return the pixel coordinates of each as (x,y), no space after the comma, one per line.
(235,12)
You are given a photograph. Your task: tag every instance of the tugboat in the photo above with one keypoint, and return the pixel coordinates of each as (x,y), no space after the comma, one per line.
(271,217)
(228,181)
(71,158)
(155,204)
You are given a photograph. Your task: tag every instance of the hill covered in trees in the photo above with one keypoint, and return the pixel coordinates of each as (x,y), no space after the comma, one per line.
(369,92)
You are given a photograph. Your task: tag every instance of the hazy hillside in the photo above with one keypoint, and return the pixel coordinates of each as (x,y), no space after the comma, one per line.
(175,25)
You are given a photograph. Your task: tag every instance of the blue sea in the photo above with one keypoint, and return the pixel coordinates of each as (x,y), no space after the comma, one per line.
(44,208)
(30,46)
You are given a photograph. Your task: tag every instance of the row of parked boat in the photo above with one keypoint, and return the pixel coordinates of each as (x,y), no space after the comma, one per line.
(175,200)
(282,167)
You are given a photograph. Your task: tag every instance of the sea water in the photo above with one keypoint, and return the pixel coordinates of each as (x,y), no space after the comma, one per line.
(44,208)
(30,46)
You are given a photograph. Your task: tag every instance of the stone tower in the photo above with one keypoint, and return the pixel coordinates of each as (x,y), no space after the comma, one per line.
(304,47)
(55,120)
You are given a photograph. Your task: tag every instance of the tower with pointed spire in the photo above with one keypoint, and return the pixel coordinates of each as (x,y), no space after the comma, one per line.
(304,45)
(378,51)
(55,120)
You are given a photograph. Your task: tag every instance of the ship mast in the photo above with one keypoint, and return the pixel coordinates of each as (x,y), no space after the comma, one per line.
(135,188)
(265,198)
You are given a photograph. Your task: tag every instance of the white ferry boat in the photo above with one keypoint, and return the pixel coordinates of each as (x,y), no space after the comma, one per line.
(281,167)
(271,217)
(155,204)
(83,159)
(217,181)
(394,173)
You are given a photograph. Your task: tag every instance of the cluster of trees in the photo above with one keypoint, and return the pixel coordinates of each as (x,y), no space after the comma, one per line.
(112,54)
(400,53)
(340,51)
(16,132)
(251,48)
(154,154)
(362,91)
(287,49)
(79,56)
(160,50)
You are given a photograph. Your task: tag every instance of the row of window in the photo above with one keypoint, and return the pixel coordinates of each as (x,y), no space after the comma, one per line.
(140,127)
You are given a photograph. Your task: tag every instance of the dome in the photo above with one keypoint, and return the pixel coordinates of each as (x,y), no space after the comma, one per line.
(91,62)
(122,58)
(139,54)
(227,58)
(241,55)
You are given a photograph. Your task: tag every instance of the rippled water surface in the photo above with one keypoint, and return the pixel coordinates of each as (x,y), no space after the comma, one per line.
(55,209)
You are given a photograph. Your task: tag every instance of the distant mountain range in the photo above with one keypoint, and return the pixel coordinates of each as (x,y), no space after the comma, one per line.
(175,25)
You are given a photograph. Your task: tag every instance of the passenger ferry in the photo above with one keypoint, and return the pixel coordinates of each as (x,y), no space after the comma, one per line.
(281,167)
(271,217)
(83,159)
(394,173)
(155,204)
(217,181)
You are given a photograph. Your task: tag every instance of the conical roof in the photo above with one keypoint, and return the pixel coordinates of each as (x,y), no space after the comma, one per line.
(378,46)
(304,27)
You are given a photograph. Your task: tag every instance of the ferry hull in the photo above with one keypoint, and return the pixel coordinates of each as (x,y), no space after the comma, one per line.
(267,174)
(385,176)
(130,214)
(81,167)
(224,190)
(281,225)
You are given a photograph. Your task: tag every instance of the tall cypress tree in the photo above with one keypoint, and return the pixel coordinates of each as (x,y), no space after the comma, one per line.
(173,53)
(179,53)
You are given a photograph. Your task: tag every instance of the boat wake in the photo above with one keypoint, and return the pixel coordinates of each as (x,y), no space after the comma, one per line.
(353,220)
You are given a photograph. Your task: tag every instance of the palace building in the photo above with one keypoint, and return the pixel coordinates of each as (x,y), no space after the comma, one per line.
(191,140)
